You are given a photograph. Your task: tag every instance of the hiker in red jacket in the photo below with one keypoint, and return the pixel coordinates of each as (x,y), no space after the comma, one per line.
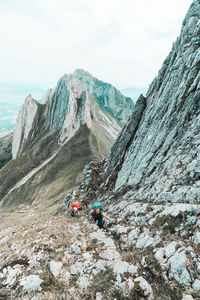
(75,207)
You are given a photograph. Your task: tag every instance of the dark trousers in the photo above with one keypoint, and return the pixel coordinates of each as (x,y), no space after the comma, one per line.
(99,221)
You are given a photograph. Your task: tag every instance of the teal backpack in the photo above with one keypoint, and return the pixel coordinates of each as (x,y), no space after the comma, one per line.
(98,204)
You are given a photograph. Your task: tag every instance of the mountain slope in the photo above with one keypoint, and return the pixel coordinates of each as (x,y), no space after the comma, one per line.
(151,178)
(50,134)
(5,149)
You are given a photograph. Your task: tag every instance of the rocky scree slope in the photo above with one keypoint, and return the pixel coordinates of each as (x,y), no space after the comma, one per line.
(52,142)
(150,181)
(59,257)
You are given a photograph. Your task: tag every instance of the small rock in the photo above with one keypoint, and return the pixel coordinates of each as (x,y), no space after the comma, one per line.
(110,254)
(38,272)
(65,276)
(187,297)
(55,267)
(75,248)
(196,285)
(98,296)
(145,286)
(120,267)
(83,282)
(11,275)
(76,268)
(31,283)
(87,256)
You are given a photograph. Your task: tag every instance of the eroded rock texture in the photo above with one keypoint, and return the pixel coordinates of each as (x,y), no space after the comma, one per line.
(78,99)
(158,154)
(151,178)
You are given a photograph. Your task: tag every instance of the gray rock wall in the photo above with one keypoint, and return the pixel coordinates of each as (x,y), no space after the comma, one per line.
(162,160)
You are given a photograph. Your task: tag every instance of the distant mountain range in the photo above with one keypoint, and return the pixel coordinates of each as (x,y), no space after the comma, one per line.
(8,115)
(12,96)
(15,93)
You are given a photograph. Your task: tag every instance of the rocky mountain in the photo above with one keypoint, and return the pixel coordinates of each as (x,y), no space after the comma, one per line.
(150,181)
(73,103)
(77,122)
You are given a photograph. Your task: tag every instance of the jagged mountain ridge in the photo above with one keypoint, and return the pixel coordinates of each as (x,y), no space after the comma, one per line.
(72,103)
(79,104)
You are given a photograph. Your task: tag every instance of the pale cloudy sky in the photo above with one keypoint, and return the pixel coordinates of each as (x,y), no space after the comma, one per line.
(123,42)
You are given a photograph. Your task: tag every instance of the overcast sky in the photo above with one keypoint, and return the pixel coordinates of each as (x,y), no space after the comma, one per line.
(123,42)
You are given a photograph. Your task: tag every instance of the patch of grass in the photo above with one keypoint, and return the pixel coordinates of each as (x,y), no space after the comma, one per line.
(137,293)
(168,223)
(132,255)
(92,245)
(73,279)
(164,291)
(51,283)
(103,281)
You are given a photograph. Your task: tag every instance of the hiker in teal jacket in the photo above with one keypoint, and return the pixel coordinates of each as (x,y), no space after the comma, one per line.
(98,214)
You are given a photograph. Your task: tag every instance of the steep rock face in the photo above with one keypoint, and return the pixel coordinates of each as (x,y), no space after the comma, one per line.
(78,99)
(24,124)
(161,162)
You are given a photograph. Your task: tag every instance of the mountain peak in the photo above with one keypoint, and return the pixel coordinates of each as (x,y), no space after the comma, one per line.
(82,72)
(77,100)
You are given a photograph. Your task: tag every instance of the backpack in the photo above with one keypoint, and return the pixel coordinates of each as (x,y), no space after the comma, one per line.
(98,204)
(76,204)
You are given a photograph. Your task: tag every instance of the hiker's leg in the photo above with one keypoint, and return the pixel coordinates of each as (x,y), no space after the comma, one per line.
(100,222)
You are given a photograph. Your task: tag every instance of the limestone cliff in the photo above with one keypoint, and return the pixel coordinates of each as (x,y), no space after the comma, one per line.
(77,122)
(158,157)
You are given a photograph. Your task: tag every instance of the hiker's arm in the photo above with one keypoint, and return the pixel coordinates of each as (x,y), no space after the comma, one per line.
(93,219)
(107,217)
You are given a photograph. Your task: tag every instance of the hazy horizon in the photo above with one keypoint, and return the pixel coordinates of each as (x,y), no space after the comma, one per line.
(122,43)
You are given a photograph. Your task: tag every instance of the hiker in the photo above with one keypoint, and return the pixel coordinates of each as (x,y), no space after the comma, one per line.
(75,207)
(98,214)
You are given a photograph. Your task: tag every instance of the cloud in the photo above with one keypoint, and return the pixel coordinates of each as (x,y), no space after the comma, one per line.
(120,41)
